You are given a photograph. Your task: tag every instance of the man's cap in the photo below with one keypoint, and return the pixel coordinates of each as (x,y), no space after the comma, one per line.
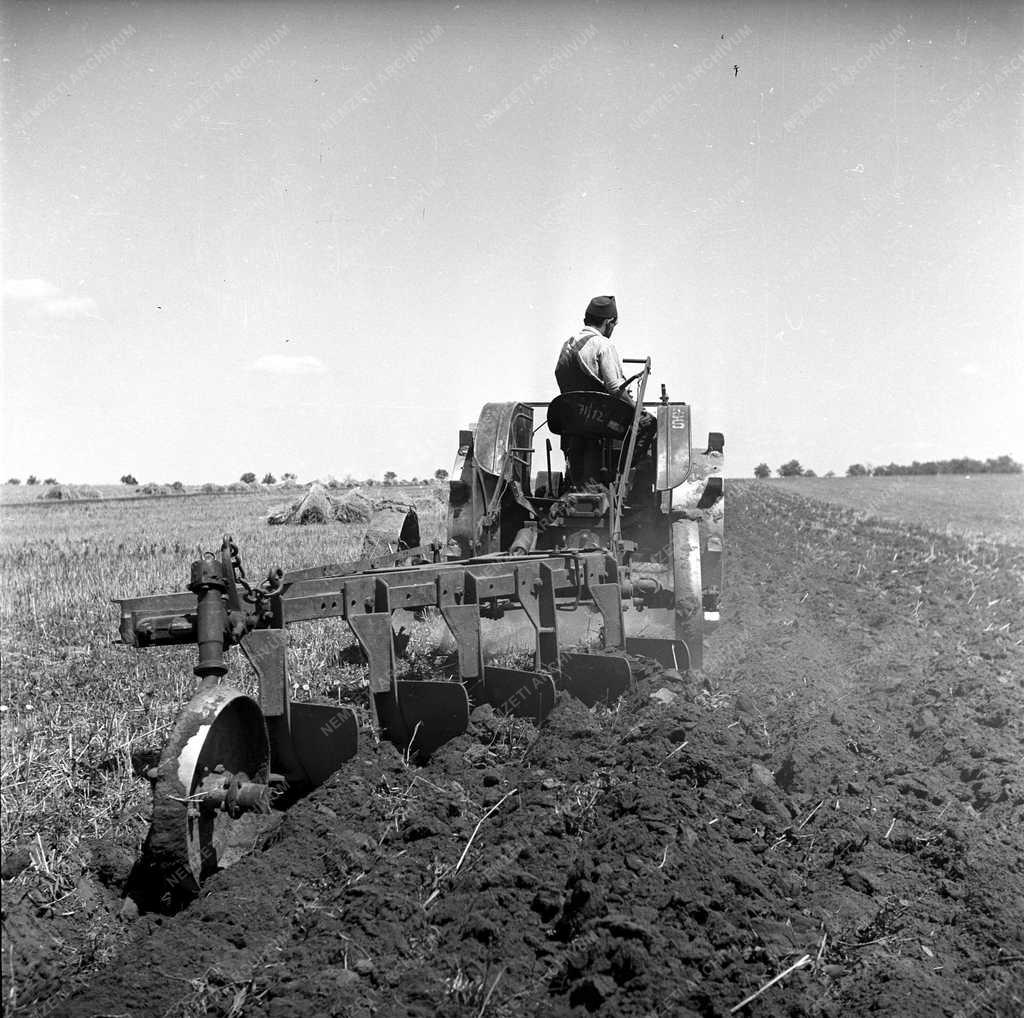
(602,308)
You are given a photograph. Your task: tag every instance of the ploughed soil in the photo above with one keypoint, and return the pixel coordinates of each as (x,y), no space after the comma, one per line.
(842,787)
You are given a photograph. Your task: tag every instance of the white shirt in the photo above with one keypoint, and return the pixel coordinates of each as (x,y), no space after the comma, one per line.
(589,361)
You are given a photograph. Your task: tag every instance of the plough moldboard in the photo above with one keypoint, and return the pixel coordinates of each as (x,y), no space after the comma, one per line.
(229,756)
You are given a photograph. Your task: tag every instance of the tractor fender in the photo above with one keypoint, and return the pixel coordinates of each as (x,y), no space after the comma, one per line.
(673,444)
(501,428)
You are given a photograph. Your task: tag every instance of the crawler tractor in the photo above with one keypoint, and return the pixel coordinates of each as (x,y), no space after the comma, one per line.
(607,545)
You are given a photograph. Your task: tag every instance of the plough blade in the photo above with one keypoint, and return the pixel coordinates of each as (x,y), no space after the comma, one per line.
(323,736)
(668,653)
(423,715)
(520,693)
(595,678)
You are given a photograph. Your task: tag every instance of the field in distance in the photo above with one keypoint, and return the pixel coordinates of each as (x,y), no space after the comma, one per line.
(989,506)
(35,494)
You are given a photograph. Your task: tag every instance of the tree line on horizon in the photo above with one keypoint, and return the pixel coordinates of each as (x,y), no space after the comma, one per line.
(391,478)
(963,466)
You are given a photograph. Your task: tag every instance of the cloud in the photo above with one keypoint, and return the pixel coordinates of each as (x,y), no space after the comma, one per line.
(29,289)
(68,307)
(44,300)
(280,364)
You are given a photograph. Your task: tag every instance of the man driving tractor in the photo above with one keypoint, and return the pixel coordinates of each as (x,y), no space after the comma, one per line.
(589,362)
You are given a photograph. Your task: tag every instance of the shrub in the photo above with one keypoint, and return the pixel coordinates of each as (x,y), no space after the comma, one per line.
(128,479)
(14,480)
(269,478)
(31,479)
(51,480)
(762,470)
(790,469)
(248,477)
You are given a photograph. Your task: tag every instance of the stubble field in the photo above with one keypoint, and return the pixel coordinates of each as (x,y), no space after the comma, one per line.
(838,797)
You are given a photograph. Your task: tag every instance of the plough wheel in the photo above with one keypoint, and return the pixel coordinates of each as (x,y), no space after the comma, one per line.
(210,786)
(688,597)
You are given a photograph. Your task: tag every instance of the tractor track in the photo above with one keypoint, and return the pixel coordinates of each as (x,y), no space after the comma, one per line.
(845,784)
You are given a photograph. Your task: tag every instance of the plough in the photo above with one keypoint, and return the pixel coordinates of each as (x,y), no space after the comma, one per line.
(616,532)
(228,754)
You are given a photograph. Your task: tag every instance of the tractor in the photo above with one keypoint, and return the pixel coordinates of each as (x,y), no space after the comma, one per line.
(625,538)
(658,511)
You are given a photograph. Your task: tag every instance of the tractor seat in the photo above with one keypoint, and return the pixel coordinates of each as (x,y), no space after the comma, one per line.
(590,415)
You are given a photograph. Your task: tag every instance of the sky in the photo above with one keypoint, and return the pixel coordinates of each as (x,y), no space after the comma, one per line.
(318,237)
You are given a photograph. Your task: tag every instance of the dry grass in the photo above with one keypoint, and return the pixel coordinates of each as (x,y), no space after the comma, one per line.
(80,716)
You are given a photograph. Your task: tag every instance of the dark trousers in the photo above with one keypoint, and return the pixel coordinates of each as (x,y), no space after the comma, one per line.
(585,457)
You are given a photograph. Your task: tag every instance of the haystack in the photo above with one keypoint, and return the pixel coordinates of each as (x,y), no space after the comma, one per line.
(313,507)
(317,505)
(387,521)
(352,506)
(64,492)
